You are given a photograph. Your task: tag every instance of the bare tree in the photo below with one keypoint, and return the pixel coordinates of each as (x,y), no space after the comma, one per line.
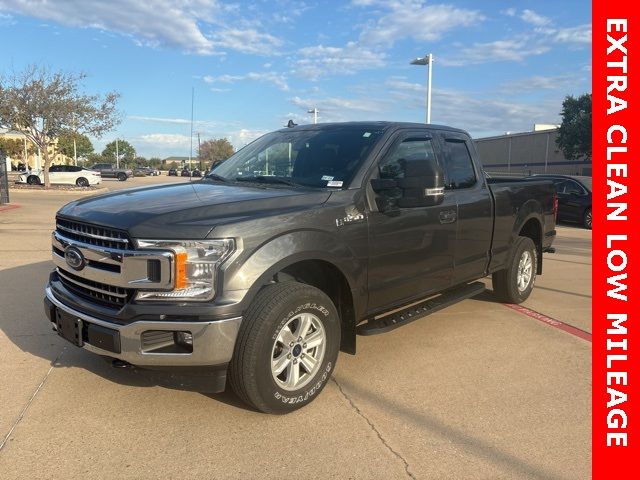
(43,104)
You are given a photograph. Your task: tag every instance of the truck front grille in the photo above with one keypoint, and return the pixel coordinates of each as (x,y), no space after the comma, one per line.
(102,293)
(93,234)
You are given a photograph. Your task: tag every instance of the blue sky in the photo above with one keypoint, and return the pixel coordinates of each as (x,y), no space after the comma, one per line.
(499,66)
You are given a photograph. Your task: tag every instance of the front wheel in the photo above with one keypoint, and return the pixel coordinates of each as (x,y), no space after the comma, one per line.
(586,220)
(515,283)
(82,182)
(33,180)
(286,349)
(122,177)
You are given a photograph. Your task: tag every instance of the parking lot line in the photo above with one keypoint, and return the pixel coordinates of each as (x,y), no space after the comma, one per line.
(550,321)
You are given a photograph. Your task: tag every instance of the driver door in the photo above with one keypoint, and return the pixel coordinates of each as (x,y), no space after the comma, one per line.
(411,250)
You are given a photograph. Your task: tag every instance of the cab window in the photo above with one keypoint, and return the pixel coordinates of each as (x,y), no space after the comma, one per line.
(459,171)
(411,149)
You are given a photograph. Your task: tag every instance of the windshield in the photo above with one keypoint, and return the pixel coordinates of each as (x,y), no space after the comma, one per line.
(314,158)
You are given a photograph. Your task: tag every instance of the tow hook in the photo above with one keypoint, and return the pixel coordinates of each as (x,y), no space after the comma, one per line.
(116,363)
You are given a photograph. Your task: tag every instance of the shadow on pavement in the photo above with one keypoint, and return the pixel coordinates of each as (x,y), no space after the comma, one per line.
(23,321)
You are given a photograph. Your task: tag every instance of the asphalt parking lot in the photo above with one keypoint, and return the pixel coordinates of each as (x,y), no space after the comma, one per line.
(477,391)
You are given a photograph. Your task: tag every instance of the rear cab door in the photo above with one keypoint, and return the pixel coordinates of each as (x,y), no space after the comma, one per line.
(466,183)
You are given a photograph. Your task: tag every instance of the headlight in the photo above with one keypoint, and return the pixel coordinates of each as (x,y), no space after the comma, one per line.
(196,263)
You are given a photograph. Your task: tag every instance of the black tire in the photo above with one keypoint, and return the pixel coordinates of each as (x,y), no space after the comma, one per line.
(82,182)
(250,371)
(505,282)
(122,177)
(33,180)
(587,218)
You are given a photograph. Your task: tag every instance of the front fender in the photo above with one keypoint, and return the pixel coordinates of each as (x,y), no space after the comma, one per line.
(259,267)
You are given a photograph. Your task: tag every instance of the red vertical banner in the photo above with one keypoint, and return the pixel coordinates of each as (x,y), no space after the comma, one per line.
(616,249)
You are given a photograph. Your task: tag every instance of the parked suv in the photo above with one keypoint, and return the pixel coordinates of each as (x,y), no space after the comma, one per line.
(110,170)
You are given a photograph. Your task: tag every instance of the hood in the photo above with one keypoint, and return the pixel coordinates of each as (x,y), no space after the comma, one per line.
(187,210)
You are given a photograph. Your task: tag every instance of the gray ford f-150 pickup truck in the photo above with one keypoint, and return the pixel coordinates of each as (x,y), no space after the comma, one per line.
(267,267)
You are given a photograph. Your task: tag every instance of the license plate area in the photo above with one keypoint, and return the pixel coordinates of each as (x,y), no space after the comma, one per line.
(69,327)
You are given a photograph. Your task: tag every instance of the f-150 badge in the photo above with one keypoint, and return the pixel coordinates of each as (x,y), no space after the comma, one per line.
(351,217)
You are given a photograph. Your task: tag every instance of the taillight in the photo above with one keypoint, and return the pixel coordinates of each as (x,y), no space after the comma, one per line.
(555,207)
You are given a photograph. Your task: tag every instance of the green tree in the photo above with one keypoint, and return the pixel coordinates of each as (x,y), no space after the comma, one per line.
(574,136)
(43,104)
(155,162)
(125,151)
(14,148)
(215,151)
(83,145)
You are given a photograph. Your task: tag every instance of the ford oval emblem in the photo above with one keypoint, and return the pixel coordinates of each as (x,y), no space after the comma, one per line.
(74,258)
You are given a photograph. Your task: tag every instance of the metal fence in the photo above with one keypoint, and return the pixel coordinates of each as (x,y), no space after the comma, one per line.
(4,180)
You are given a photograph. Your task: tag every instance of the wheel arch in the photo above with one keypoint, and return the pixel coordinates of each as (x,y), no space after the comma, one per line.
(320,261)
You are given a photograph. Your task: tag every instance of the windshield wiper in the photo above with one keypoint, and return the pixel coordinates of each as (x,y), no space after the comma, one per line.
(267,179)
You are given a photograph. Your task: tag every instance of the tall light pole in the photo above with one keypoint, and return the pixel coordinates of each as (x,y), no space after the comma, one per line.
(117,155)
(315,112)
(426,60)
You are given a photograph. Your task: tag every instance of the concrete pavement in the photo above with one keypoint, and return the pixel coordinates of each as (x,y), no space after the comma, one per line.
(475,391)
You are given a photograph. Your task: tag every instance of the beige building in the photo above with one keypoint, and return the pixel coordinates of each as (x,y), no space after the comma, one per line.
(31,155)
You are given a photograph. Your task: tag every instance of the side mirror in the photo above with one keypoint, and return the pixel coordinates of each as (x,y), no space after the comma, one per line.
(383,184)
(423,185)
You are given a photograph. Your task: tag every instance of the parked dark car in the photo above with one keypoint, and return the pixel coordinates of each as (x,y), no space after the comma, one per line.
(262,272)
(173,172)
(196,173)
(574,198)
(110,170)
(185,172)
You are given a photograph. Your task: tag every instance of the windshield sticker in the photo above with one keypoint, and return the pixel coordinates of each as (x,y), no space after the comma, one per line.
(366,134)
(326,178)
(334,183)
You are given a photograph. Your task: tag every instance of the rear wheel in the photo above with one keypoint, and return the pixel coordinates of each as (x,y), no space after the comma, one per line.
(122,177)
(33,180)
(515,283)
(82,182)
(586,220)
(286,348)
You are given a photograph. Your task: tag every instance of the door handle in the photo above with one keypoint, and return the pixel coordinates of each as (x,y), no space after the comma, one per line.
(448,216)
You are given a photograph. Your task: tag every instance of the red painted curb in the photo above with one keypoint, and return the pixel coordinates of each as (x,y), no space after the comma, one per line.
(9,207)
(552,322)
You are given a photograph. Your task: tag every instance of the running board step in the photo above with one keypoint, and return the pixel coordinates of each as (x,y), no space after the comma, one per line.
(398,319)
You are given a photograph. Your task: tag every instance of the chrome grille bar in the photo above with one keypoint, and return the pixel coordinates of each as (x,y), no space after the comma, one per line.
(85,285)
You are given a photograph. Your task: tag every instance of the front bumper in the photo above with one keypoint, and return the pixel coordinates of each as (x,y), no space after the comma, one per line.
(213,341)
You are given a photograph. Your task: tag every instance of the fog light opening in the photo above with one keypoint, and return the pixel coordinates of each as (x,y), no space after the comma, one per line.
(184,339)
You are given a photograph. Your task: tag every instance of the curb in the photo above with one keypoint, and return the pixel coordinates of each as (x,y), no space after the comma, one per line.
(64,192)
(9,206)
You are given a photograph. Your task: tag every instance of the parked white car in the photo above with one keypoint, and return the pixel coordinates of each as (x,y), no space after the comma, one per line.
(63,174)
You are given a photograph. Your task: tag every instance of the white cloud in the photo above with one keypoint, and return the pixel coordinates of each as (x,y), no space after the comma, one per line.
(274,78)
(514,49)
(416,20)
(198,124)
(157,23)
(537,83)
(319,61)
(248,40)
(166,139)
(194,26)
(239,138)
(580,35)
(483,115)
(534,18)
(339,109)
